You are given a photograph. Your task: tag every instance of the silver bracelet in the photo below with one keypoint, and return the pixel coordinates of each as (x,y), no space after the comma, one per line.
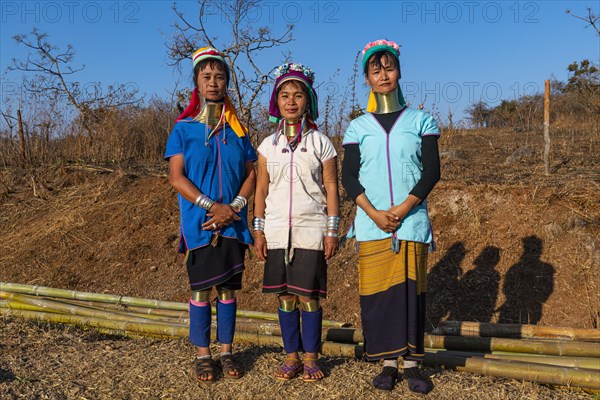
(332,234)
(258,224)
(333,223)
(238,203)
(203,201)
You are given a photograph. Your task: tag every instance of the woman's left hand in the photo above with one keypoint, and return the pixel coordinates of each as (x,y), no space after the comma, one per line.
(221,216)
(330,245)
(400,211)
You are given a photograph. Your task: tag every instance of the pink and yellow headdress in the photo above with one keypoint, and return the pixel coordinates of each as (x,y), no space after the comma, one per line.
(375,47)
(195,106)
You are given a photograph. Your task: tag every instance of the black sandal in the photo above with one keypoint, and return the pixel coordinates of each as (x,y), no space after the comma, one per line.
(416,381)
(205,367)
(386,379)
(228,365)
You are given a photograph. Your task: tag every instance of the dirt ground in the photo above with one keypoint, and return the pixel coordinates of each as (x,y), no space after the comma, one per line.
(513,245)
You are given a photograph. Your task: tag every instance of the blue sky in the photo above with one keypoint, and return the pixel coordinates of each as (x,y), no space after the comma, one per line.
(453,52)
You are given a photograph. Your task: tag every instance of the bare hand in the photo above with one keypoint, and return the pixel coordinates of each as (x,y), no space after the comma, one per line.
(260,247)
(221,215)
(330,245)
(385,220)
(399,211)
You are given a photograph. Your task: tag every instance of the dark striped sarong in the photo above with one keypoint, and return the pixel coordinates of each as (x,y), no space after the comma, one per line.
(222,265)
(392,290)
(305,275)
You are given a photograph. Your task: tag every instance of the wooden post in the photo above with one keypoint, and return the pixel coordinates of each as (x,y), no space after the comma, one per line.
(546,126)
(21,131)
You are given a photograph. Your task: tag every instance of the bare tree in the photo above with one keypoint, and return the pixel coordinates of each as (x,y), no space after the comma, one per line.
(479,114)
(53,67)
(592,19)
(355,108)
(240,51)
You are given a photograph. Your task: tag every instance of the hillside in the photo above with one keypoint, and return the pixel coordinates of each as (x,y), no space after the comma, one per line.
(115,230)
(513,245)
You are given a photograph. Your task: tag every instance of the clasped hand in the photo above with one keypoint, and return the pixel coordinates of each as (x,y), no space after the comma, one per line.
(388,221)
(220,215)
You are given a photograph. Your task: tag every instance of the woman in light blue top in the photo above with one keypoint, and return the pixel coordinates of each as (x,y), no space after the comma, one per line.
(391,163)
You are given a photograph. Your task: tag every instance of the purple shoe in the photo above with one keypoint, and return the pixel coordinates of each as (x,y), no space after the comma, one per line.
(288,372)
(310,372)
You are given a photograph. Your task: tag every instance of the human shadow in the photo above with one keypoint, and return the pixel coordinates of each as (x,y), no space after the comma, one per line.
(442,285)
(478,288)
(527,285)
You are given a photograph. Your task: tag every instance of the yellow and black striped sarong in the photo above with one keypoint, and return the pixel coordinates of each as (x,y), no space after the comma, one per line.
(392,290)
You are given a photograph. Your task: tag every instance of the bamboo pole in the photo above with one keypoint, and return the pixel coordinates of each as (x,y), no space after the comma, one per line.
(22,306)
(131,301)
(583,349)
(554,375)
(349,335)
(169,330)
(254,328)
(149,327)
(132,335)
(591,363)
(124,307)
(466,328)
(338,335)
(154,329)
(344,335)
(98,297)
(121,310)
(258,327)
(70,308)
(140,310)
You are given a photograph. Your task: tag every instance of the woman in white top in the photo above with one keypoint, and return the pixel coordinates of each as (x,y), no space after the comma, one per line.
(296,216)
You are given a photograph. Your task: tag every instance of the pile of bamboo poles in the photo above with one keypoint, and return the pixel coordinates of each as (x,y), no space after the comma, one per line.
(550,355)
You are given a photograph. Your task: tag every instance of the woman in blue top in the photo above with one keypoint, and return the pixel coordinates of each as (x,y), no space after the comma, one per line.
(211,166)
(391,163)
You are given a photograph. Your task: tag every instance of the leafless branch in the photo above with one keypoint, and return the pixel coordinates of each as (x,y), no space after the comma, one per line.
(240,51)
(591,19)
(52,67)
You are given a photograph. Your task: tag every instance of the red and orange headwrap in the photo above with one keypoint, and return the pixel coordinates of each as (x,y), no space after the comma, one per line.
(196,103)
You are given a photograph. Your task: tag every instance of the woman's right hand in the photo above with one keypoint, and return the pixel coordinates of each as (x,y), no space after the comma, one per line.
(221,215)
(260,247)
(385,220)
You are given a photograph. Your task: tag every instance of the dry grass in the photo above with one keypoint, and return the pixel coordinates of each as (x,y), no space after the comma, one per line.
(62,362)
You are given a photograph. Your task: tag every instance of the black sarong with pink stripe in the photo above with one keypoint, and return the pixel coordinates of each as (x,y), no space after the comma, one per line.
(221,265)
